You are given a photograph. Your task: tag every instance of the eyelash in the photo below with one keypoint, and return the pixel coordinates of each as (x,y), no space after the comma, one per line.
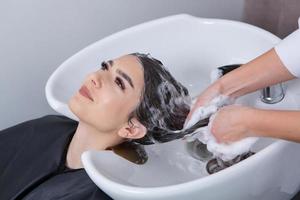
(118,81)
(104,66)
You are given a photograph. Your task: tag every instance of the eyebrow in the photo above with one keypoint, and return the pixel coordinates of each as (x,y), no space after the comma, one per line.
(121,73)
(126,77)
(110,62)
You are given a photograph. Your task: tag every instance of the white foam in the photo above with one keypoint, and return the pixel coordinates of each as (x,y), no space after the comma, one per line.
(224,151)
(207,110)
(215,74)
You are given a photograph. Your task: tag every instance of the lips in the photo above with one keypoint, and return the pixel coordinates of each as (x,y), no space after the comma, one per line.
(84,91)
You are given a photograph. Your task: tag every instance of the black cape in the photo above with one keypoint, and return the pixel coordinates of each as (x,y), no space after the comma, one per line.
(32,163)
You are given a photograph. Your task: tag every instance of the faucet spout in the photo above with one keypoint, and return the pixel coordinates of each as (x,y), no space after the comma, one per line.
(272,94)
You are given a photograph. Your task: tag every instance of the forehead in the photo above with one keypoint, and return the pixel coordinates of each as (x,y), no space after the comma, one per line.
(130,65)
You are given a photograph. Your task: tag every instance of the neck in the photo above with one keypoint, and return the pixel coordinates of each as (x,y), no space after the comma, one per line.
(87,138)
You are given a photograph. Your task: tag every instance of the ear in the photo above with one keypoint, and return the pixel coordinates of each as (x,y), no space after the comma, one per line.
(134,130)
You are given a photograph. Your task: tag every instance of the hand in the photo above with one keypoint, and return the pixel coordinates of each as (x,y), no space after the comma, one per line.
(205,97)
(232,123)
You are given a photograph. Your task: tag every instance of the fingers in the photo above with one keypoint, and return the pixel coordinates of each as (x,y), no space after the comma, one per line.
(212,127)
(195,117)
(198,104)
(216,125)
(229,124)
(204,98)
(230,137)
(201,102)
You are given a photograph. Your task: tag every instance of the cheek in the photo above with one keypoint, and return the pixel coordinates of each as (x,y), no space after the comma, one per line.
(111,111)
(117,108)
(108,113)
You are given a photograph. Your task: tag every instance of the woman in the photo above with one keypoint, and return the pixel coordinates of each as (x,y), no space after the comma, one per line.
(232,123)
(131,98)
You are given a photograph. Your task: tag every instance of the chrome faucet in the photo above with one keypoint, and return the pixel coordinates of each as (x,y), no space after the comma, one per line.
(272,94)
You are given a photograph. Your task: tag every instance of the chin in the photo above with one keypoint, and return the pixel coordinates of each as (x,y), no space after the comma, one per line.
(78,109)
(74,106)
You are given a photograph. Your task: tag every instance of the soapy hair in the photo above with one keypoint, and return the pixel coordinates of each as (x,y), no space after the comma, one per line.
(164,105)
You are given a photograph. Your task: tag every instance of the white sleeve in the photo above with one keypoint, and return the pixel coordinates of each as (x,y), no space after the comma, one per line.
(288,51)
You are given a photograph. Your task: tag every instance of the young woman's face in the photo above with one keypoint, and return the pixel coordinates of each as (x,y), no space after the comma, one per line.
(110,94)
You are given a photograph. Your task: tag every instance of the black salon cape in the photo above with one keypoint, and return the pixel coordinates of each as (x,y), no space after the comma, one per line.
(32,163)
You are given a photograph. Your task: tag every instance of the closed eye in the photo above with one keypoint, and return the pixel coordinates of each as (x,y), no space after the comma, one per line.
(120,83)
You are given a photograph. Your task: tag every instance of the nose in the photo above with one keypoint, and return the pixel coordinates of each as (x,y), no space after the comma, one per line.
(96,80)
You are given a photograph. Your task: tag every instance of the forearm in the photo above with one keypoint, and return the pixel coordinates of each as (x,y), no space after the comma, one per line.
(275,123)
(261,72)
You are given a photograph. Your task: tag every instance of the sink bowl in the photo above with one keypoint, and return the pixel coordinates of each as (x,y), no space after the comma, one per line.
(190,48)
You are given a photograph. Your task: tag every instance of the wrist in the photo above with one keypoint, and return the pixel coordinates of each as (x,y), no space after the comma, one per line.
(226,87)
(250,121)
(257,122)
(209,94)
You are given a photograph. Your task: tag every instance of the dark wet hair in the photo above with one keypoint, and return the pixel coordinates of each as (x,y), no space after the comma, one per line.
(164,105)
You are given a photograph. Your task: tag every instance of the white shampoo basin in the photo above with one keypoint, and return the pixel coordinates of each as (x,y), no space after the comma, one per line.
(190,48)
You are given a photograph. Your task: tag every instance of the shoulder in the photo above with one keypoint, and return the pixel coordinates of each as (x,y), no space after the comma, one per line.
(51,124)
(53,120)
(44,124)
(47,119)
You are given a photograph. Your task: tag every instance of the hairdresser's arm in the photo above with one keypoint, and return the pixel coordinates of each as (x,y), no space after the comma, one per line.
(244,122)
(279,64)
(261,72)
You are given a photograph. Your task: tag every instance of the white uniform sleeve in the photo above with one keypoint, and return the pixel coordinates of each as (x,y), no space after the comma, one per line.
(288,51)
